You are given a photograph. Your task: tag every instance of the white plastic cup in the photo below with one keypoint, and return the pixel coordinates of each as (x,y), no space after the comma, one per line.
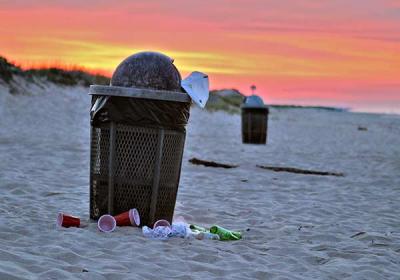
(134,217)
(161,223)
(106,223)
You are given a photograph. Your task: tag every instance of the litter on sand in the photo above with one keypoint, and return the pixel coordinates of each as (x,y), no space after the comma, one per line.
(162,229)
(106,223)
(65,220)
(128,218)
(223,233)
(192,231)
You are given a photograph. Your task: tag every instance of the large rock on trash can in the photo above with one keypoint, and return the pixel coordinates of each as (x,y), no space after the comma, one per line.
(147,70)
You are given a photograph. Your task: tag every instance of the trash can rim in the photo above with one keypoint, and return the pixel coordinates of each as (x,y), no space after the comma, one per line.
(143,93)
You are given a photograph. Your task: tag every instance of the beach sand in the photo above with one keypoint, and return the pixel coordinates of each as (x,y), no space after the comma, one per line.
(295,226)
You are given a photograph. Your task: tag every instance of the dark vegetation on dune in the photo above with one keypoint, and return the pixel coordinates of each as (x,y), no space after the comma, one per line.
(228,100)
(69,78)
(8,71)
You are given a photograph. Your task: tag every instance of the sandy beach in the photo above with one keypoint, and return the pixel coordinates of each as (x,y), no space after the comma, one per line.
(295,226)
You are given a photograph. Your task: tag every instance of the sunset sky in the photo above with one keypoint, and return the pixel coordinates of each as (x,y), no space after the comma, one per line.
(324,52)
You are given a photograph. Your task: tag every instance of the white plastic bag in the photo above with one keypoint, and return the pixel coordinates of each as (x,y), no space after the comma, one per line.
(197,86)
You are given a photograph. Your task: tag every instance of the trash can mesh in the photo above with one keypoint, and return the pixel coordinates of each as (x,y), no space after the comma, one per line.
(170,172)
(100,142)
(133,169)
(135,153)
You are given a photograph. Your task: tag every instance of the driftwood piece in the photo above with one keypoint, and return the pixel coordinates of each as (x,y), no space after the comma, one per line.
(358,234)
(210,163)
(300,171)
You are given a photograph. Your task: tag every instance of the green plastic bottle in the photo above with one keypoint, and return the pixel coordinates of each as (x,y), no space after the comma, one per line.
(194,227)
(225,234)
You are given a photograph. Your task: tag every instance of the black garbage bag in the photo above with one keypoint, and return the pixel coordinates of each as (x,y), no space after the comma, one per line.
(139,112)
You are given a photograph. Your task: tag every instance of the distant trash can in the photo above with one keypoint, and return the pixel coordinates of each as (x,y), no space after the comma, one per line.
(137,143)
(254,120)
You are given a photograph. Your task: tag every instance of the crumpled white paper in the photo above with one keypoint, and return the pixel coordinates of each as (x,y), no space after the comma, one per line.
(164,232)
(197,86)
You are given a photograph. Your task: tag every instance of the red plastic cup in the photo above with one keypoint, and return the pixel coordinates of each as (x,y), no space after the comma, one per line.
(161,223)
(64,220)
(128,218)
(106,223)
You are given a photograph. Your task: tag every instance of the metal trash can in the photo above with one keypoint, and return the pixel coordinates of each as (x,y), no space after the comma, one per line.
(254,120)
(137,143)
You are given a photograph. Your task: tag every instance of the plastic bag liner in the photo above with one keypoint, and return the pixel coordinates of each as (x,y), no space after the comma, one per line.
(139,112)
